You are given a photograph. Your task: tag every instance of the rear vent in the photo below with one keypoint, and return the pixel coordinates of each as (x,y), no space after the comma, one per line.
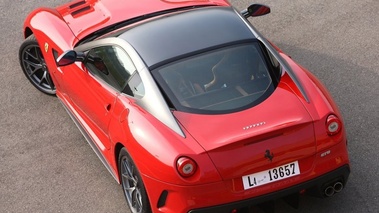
(77,4)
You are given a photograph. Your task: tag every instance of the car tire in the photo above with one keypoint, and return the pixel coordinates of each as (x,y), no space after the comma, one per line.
(34,66)
(132,184)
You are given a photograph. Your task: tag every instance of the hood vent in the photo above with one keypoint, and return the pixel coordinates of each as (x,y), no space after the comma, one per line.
(80,8)
(77,4)
(77,13)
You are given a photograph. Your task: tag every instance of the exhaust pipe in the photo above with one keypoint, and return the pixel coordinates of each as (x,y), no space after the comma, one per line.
(329,191)
(338,186)
(334,188)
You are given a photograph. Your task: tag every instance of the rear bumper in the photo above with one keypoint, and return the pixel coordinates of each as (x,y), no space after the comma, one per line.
(319,172)
(315,186)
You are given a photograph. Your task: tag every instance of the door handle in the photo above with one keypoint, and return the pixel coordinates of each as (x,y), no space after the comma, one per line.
(108,107)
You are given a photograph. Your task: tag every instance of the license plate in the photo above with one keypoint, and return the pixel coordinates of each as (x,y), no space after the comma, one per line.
(271,175)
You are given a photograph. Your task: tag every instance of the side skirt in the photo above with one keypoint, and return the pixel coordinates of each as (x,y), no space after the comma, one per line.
(88,138)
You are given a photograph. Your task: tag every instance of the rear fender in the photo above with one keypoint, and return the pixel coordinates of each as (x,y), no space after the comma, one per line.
(321,102)
(321,105)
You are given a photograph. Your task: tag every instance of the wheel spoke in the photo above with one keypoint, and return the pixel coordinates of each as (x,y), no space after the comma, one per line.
(35,57)
(43,78)
(130,189)
(34,71)
(126,176)
(35,65)
(127,169)
(49,81)
(138,201)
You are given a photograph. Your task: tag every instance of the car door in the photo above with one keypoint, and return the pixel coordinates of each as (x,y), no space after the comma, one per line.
(94,86)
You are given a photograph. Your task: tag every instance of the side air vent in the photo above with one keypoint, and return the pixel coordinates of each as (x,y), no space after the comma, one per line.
(55,54)
(162,199)
(77,4)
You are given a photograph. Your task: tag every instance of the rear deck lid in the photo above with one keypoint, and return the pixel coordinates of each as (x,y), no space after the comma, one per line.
(237,142)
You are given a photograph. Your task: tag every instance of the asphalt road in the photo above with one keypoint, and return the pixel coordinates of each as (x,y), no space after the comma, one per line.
(47,166)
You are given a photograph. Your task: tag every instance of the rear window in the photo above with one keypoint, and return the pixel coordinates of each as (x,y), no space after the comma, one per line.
(224,80)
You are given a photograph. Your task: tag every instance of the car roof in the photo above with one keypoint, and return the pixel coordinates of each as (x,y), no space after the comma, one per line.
(172,36)
(87,16)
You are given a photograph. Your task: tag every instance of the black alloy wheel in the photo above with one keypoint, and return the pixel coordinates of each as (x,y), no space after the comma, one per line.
(34,66)
(132,184)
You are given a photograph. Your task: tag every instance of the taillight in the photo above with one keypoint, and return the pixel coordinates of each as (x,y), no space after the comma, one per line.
(333,125)
(186,166)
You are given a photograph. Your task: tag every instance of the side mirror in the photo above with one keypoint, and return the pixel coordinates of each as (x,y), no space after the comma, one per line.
(70,57)
(256,10)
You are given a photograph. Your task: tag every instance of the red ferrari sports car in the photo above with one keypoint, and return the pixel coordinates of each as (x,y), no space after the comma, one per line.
(187,105)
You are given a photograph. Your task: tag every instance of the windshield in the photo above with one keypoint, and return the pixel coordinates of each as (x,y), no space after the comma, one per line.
(219,81)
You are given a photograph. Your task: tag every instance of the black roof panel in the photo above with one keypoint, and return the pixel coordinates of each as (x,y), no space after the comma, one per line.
(182,33)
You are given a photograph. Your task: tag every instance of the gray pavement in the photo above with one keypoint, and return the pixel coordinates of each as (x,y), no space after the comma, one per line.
(47,166)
